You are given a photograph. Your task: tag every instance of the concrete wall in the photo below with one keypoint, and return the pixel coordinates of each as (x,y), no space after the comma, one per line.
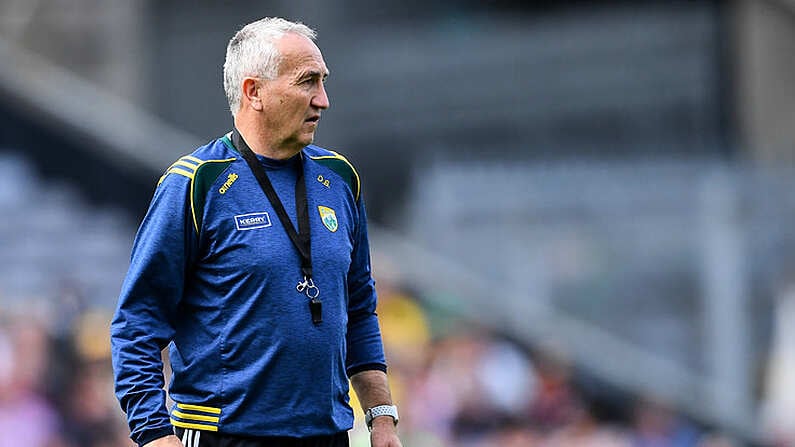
(765,79)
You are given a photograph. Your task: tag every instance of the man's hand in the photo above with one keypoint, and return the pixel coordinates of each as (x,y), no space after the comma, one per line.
(384,433)
(165,441)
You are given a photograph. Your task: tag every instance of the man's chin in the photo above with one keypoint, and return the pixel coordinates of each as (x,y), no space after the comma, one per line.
(308,139)
(301,140)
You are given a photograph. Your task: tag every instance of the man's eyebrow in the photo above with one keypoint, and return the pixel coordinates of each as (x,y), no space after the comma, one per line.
(315,74)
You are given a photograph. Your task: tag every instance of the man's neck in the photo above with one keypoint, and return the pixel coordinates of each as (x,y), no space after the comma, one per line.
(259,143)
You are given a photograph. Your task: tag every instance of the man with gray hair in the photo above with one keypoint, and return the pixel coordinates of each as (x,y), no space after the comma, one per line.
(253,266)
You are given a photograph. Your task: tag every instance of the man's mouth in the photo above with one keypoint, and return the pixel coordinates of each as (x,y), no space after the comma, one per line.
(313,119)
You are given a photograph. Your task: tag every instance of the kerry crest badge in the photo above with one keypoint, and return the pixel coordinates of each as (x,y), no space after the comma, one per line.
(329,218)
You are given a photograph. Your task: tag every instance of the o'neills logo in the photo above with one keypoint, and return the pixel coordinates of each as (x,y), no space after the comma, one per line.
(252,221)
(229,180)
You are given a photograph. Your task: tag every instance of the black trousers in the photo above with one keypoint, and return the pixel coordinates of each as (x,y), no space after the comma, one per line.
(197,438)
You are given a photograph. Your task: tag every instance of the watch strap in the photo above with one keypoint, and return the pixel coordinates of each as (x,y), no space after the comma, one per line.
(380,410)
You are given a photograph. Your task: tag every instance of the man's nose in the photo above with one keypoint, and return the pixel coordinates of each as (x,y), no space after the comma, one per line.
(321,99)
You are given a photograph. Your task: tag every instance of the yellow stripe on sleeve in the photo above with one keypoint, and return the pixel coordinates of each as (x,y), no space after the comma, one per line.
(195,417)
(186,164)
(212,410)
(181,424)
(193,159)
(180,171)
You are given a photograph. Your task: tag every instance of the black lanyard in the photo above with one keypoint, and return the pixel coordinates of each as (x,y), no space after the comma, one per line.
(302,238)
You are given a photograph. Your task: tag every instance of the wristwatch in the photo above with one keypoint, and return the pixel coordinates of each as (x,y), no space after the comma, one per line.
(380,410)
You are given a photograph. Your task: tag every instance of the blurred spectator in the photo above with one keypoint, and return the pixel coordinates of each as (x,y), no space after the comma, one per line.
(585,431)
(716,440)
(655,425)
(555,404)
(91,416)
(404,328)
(26,418)
(55,382)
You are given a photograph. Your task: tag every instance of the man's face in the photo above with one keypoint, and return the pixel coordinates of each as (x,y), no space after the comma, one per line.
(293,101)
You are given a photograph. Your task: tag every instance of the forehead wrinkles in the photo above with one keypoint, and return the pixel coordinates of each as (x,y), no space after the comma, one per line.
(302,65)
(298,54)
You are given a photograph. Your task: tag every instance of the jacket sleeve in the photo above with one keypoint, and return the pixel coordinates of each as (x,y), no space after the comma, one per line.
(365,348)
(143,322)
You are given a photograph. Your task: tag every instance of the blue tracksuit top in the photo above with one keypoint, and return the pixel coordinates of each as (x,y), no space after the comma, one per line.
(213,275)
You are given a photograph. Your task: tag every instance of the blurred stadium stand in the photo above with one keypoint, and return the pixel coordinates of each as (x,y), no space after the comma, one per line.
(592,180)
(51,236)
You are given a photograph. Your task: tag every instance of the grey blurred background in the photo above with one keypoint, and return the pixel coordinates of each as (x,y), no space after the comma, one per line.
(584,208)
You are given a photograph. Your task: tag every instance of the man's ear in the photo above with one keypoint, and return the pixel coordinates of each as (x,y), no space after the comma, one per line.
(252,93)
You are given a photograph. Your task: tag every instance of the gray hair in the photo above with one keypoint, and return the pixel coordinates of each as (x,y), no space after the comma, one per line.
(252,52)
